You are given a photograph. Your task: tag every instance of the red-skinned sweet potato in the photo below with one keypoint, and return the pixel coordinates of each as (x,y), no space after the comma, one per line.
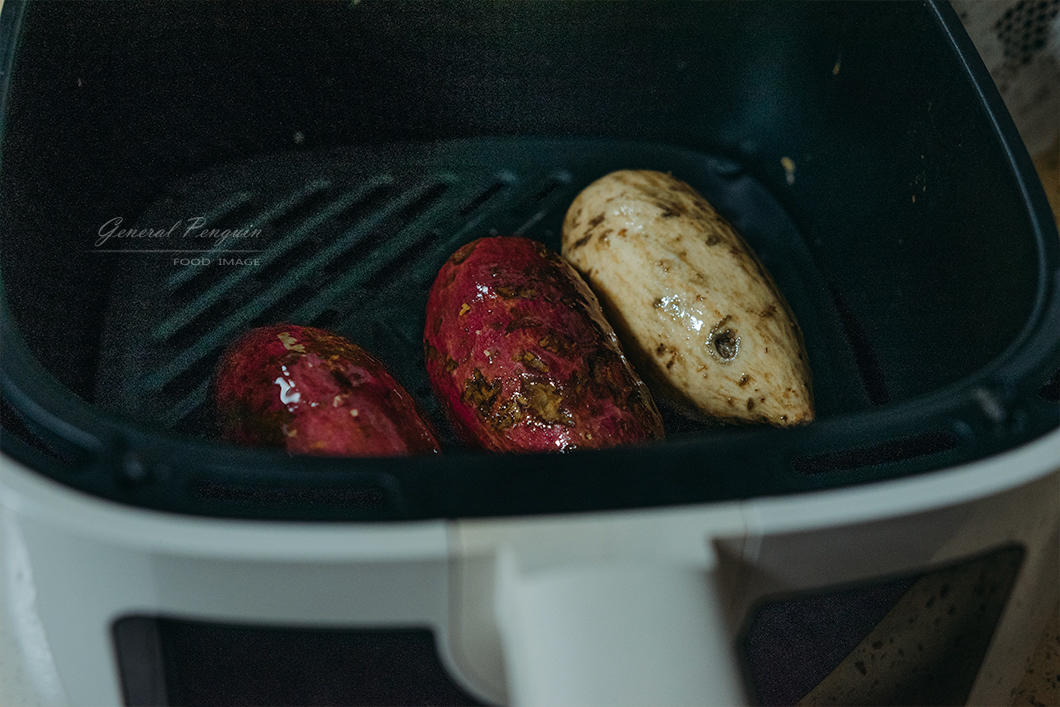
(314,392)
(520,354)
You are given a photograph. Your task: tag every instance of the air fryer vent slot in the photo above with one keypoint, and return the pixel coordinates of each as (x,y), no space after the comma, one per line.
(541,201)
(176,660)
(550,185)
(889,452)
(502,181)
(299,208)
(429,196)
(408,255)
(366,198)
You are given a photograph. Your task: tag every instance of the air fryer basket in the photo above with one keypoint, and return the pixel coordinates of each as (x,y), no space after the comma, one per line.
(858,146)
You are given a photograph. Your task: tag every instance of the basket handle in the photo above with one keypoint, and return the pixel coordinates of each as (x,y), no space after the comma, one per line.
(605,634)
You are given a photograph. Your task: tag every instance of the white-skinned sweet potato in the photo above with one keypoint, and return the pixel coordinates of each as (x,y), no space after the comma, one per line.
(694,308)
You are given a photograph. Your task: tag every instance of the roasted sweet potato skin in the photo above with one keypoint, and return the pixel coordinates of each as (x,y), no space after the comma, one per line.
(522,358)
(314,392)
(694,307)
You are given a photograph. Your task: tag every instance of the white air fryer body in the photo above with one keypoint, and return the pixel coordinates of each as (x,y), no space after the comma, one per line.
(618,608)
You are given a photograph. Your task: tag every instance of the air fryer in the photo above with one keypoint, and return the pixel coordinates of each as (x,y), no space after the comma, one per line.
(859,147)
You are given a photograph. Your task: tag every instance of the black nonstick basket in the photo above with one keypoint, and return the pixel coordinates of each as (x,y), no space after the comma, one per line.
(316,162)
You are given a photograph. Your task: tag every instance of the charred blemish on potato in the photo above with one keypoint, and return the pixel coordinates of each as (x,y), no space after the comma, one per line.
(545,402)
(575,216)
(522,322)
(727,344)
(653,178)
(480,393)
(581,241)
(553,343)
(669,208)
(290,343)
(712,239)
(596,221)
(515,291)
(640,400)
(532,361)
(463,252)
(744,380)
(571,302)
(342,381)
(723,341)
(544,273)
(430,353)
(750,404)
(606,373)
(509,413)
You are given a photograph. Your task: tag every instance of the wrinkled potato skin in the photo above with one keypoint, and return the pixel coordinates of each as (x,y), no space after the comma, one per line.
(693,306)
(314,392)
(520,355)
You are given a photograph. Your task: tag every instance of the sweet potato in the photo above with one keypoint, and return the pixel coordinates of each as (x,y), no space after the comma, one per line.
(695,309)
(314,392)
(522,358)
